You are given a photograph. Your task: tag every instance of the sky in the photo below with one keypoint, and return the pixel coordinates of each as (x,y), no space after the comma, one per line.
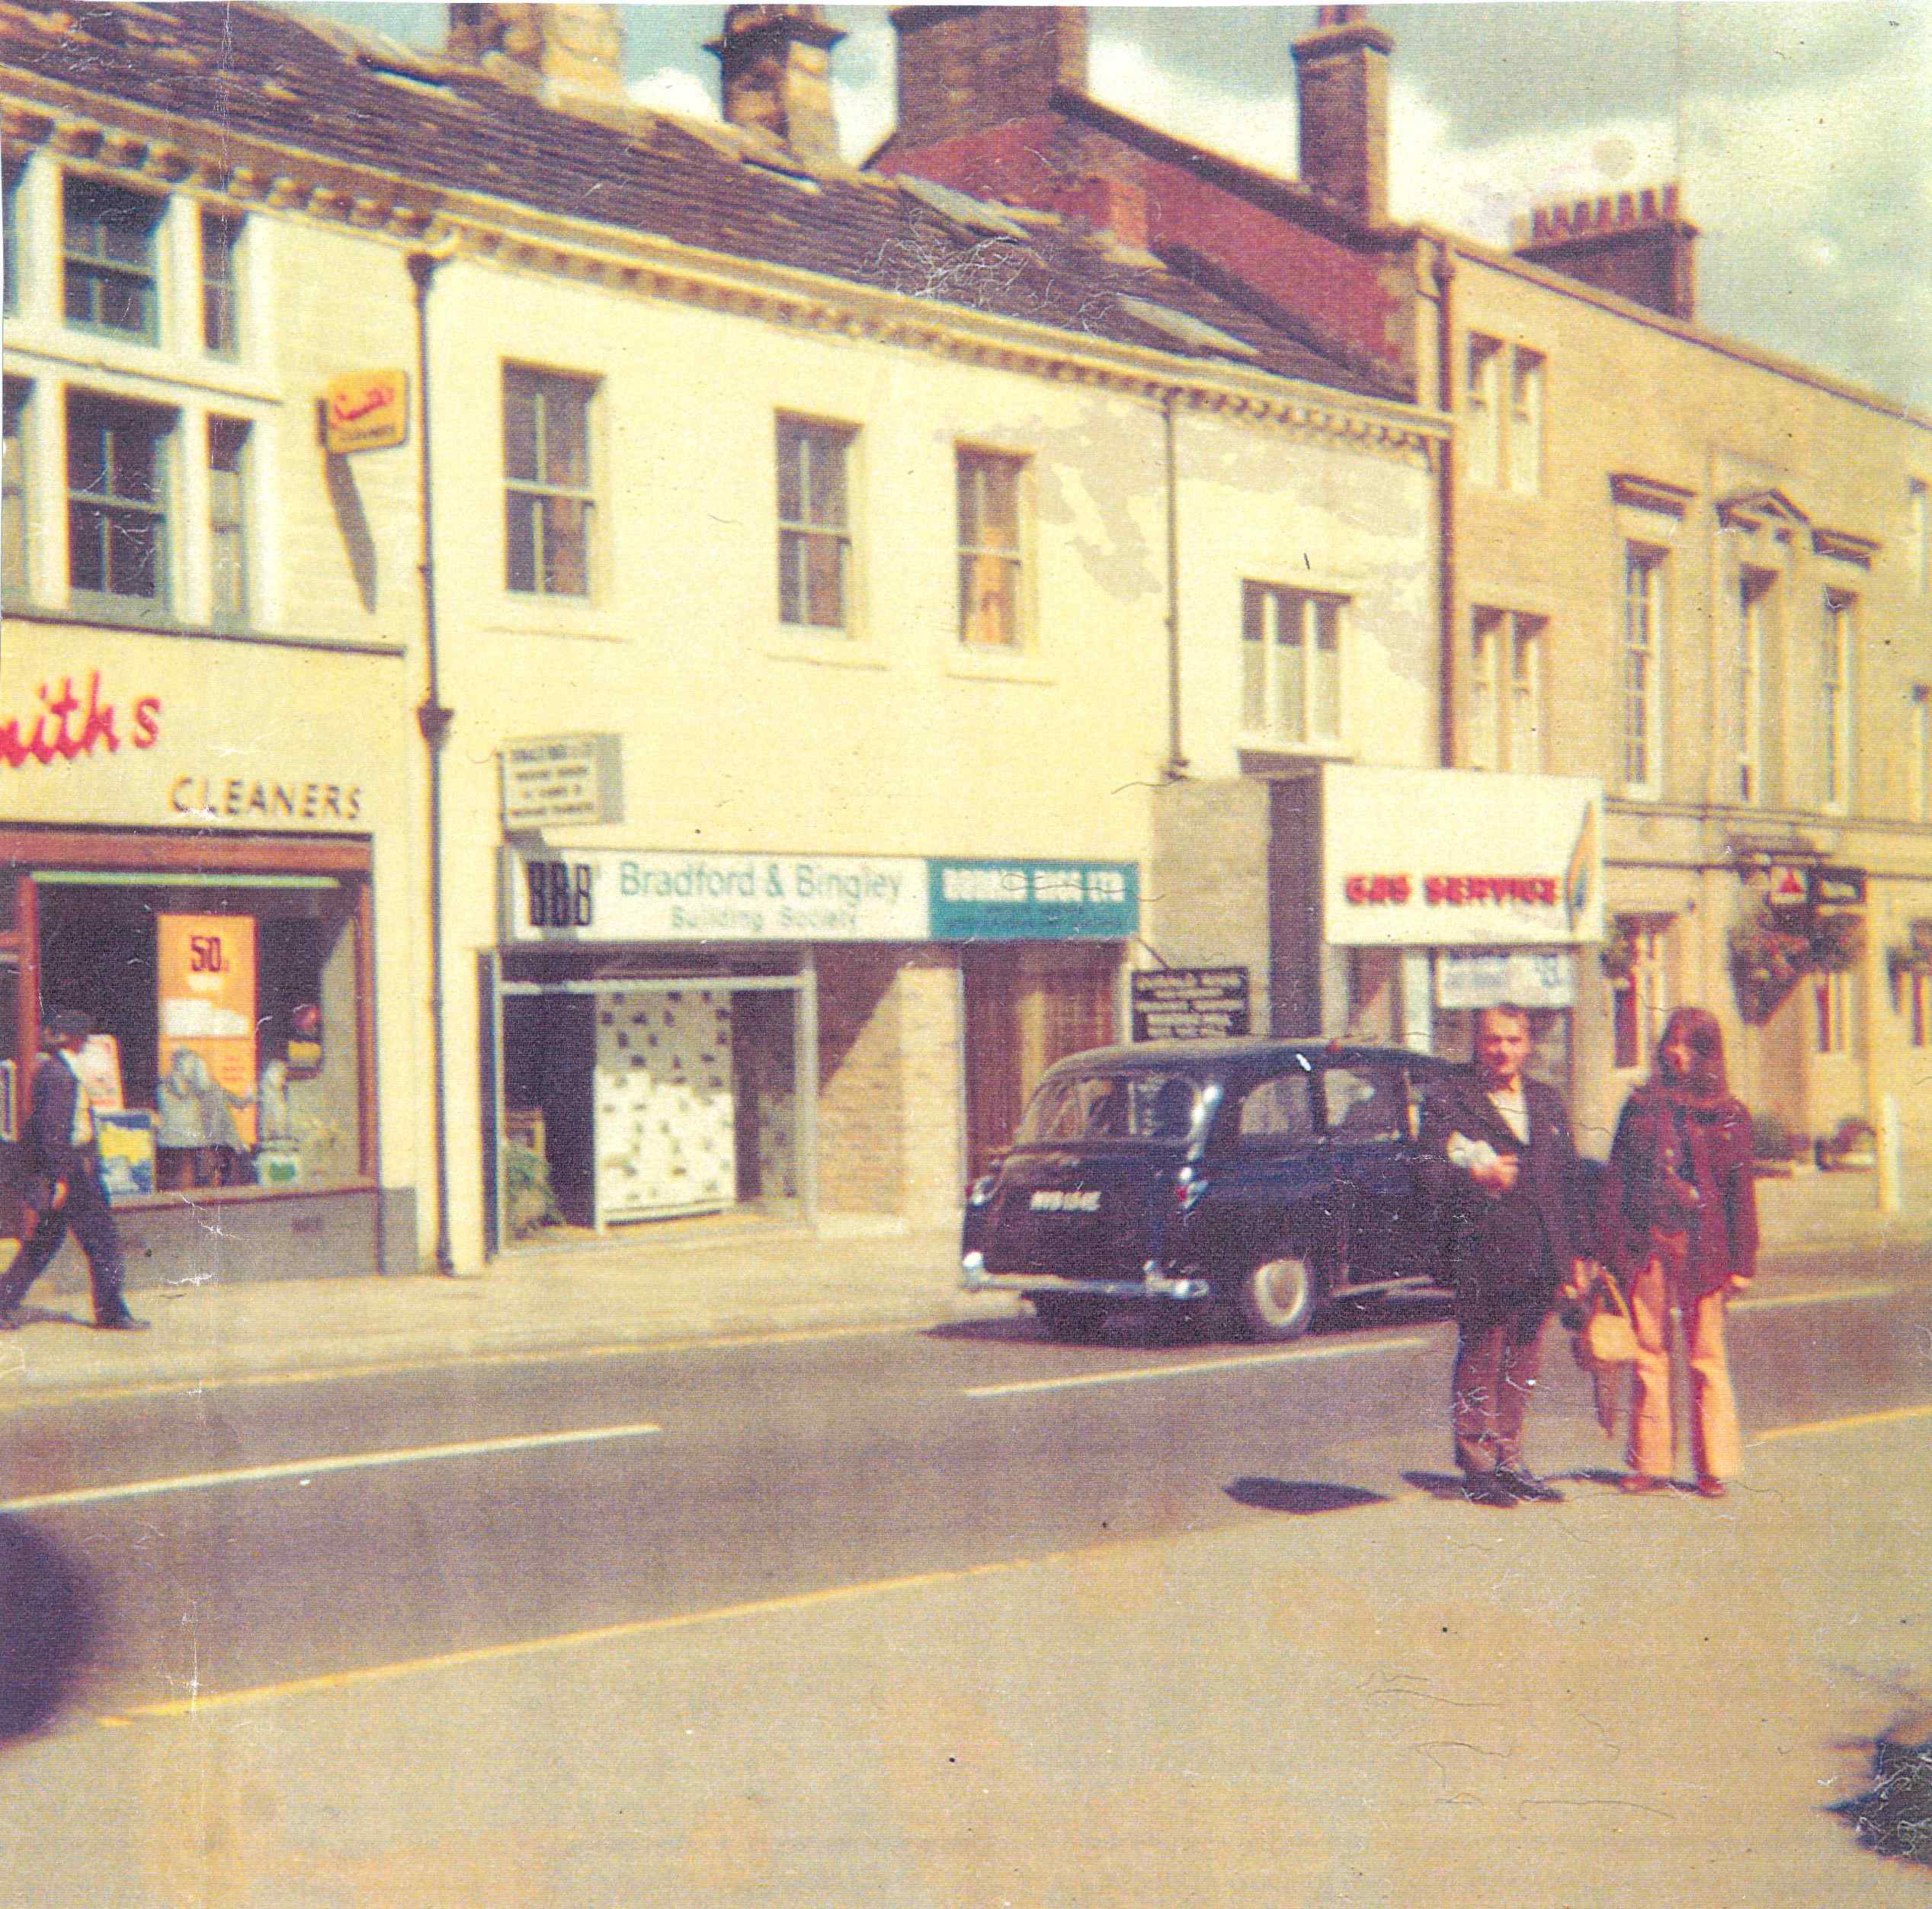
(1801,133)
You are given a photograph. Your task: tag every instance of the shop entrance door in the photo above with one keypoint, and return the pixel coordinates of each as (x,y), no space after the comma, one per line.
(1026,1007)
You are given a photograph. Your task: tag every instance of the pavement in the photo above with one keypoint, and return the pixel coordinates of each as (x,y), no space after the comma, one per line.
(652,1286)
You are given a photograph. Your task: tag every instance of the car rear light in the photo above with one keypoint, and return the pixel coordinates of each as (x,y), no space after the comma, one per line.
(981,1192)
(1188,1187)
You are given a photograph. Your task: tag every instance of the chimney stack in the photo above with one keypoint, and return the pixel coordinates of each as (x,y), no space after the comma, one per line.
(574,50)
(1342,74)
(1638,244)
(962,69)
(775,68)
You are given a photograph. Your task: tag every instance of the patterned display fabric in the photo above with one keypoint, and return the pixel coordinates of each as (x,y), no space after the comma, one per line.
(666,1126)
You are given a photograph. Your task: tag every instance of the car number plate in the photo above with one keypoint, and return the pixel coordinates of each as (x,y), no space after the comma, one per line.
(1053,1199)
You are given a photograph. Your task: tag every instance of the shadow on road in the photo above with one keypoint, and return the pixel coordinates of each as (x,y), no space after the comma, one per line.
(1894,1817)
(1300,1497)
(48,1628)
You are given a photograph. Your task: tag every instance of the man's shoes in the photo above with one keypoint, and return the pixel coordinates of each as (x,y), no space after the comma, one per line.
(1640,1481)
(1710,1488)
(1487,1487)
(10,1319)
(1527,1487)
(121,1322)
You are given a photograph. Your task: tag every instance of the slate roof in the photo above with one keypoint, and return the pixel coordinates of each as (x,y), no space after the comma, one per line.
(260,72)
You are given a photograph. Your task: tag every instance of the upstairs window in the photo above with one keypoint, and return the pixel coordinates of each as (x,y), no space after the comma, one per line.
(1643,660)
(1291,664)
(221,238)
(815,536)
(1918,767)
(1506,691)
(548,508)
(117,501)
(1640,995)
(227,540)
(1482,440)
(1525,422)
(108,250)
(992,559)
(1834,713)
(10,174)
(1754,599)
(13,493)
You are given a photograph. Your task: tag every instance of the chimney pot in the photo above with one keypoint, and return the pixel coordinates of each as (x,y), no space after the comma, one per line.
(1341,73)
(775,73)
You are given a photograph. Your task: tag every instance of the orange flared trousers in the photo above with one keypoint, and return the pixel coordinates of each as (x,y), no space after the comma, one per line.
(1716,1447)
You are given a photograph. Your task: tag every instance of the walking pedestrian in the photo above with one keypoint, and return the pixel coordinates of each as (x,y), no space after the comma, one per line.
(63,1164)
(1678,1222)
(1505,1147)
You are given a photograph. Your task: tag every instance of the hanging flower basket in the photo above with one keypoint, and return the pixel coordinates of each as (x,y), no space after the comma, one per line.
(1767,962)
(1619,954)
(1837,943)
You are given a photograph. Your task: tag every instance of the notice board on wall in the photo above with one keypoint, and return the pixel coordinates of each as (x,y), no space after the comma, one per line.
(207,989)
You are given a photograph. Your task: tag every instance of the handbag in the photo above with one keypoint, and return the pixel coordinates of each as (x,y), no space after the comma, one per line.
(1604,1339)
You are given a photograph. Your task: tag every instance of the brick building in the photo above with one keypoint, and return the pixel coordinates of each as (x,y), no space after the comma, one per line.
(1672,563)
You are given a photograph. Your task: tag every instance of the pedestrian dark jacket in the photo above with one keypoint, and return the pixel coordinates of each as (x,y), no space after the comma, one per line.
(47,1137)
(1522,1241)
(1669,1149)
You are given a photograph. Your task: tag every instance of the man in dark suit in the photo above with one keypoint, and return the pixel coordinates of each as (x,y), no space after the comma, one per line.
(1505,1151)
(63,1163)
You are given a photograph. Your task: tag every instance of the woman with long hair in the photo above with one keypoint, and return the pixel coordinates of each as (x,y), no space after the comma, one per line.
(1678,1224)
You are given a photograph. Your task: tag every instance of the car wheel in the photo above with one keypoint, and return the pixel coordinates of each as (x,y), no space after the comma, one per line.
(1276,1302)
(1068,1317)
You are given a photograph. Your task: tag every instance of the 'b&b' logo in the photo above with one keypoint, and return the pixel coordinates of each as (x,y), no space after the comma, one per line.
(558,894)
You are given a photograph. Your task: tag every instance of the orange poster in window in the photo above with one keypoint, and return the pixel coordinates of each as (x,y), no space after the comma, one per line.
(207,990)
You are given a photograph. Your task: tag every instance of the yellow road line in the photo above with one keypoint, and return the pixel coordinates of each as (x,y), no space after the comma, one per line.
(1127,1374)
(574,1640)
(1897,1416)
(306,1468)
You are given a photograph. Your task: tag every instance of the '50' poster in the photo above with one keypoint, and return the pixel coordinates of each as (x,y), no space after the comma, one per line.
(207,1001)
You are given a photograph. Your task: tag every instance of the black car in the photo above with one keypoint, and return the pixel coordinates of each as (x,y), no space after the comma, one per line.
(1267,1177)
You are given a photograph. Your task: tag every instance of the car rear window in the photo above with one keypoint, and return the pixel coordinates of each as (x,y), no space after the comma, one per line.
(1111,1107)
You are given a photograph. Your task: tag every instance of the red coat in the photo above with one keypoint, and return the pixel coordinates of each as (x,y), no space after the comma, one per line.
(1708,1147)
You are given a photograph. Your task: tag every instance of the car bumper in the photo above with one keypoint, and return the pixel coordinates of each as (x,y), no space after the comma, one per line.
(1156,1282)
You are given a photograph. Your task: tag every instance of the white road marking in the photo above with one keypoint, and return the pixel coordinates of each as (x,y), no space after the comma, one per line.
(1828,1295)
(1134,1373)
(306,1468)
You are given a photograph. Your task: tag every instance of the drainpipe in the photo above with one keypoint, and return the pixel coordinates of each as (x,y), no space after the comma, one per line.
(1177,766)
(1444,267)
(434,719)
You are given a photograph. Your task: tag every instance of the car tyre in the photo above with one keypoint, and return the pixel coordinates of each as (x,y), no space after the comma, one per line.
(1276,1302)
(1070,1318)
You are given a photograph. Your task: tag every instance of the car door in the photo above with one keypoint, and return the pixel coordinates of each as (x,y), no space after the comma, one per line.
(1267,1183)
(1368,1127)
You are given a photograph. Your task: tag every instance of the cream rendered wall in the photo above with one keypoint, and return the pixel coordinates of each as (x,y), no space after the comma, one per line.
(740,734)
(1315,510)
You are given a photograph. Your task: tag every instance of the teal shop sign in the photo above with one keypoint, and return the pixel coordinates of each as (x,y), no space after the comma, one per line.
(1021,901)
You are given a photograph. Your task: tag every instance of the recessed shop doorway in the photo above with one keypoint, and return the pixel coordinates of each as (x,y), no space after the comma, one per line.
(619,1100)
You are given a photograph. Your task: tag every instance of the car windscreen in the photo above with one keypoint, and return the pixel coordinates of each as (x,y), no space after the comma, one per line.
(1148,1107)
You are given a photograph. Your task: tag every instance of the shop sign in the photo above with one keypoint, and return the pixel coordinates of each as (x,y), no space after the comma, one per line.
(1189,1004)
(206,1001)
(67,723)
(551,780)
(1487,977)
(616,895)
(1022,900)
(1838,887)
(613,895)
(365,411)
(1448,858)
(1788,887)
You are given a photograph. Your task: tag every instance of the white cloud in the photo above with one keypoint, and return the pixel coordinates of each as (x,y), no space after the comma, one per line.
(1124,76)
(675,89)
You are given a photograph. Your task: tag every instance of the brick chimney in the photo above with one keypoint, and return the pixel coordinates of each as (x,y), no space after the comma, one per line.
(1638,244)
(775,64)
(1341,75)
(578,49)
(962,69)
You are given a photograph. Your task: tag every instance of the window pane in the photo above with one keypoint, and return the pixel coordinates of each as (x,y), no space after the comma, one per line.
(86,547)
(1254,656)
(999,500)
(1290,689)
(988,590)
(827,500)
(219,236)
(1326,664)
(225,572)
(78,296)
(791,483)
(825,581)
(123,303)
(791,576)
(13,497)
(134,461)
(968,500)
(566,538)
(520,538)
(566,444)
(133,555)
(519,433)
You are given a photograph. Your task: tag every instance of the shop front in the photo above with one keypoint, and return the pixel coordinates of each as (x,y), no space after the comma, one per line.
(191,861)
(672,1036)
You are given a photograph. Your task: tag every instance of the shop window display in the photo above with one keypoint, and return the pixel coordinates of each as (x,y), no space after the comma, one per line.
(229,1025)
